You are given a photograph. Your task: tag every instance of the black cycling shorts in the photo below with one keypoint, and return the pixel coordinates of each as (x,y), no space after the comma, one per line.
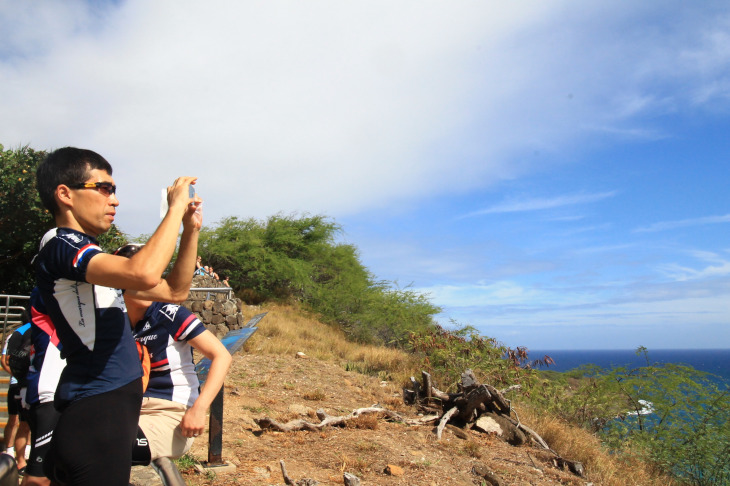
(14,403)
(93,441)
(43,418)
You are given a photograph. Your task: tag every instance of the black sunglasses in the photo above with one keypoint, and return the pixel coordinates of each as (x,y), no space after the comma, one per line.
(106,189)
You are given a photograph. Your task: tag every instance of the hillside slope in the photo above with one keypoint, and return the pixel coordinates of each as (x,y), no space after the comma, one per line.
(286,388)
(264,382)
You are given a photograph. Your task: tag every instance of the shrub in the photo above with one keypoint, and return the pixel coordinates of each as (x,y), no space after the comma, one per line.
(446,354)
(672,415)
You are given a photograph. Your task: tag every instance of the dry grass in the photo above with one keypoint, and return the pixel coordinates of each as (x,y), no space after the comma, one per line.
(316,395)
(286,330)
(580,445)
(369,421)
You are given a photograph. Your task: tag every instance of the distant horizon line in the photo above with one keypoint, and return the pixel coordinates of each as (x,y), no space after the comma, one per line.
(627,349)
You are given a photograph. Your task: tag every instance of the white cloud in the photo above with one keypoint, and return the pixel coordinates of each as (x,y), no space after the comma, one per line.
(718,267)
(501,294)
(660,310)
(328,106)
(670,225)
(540,204)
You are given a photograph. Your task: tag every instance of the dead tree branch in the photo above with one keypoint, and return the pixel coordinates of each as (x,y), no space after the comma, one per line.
(326,420)
(444,420)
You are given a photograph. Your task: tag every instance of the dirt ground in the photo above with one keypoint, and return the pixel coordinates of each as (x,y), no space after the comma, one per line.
(286,388)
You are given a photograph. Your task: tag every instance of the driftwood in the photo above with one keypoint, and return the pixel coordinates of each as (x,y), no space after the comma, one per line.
(301,482)
(287,480)
(472,401)
(444,421)
(267,423)
(427,386)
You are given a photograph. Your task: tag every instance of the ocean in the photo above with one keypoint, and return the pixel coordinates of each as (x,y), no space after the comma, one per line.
(715,361)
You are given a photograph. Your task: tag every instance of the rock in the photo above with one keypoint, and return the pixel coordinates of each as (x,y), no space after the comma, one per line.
(144,476)
(301,355)
(393,470)
(229,308)
(307,482)
(351,480)
(262,472)
(468,380)
(488,425)
(509,431)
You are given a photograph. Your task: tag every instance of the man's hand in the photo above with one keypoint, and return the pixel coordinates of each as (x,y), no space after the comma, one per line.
(193,219)
(178,194)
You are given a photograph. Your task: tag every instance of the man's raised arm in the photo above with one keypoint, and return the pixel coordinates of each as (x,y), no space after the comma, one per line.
(144,270)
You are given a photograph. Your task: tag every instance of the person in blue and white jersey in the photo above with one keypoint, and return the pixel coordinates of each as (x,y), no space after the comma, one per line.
(45,370)
(174,408)
(15,360)
(100,390)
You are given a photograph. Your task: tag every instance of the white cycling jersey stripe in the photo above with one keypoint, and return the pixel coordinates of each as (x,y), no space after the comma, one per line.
(73,298)
(50,373)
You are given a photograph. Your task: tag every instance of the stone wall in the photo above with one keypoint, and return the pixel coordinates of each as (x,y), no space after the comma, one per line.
(220,312)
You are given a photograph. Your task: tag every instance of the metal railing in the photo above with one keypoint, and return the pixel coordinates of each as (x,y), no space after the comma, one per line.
(213,290)
(10,314)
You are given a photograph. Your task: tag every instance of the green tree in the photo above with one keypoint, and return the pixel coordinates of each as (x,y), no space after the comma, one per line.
(112,239)
(278,258)
(677,415)
(286,257)
(446,354)
(392,314)
(23,219)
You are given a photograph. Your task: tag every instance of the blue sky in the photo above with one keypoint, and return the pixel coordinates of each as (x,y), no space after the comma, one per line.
(553,173)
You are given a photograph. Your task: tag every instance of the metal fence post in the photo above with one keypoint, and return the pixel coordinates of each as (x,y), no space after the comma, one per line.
(215,431)
(233,341)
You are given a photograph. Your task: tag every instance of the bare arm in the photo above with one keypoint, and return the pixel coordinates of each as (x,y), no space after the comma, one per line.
(144,270)
(4,364)
(193,422)
(176,286)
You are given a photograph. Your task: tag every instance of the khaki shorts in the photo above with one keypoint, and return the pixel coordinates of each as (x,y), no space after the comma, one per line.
(160,420)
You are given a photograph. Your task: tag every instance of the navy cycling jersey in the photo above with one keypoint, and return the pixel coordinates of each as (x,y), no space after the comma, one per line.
(91,320)
(46,364)
(14,347)
(165,330)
